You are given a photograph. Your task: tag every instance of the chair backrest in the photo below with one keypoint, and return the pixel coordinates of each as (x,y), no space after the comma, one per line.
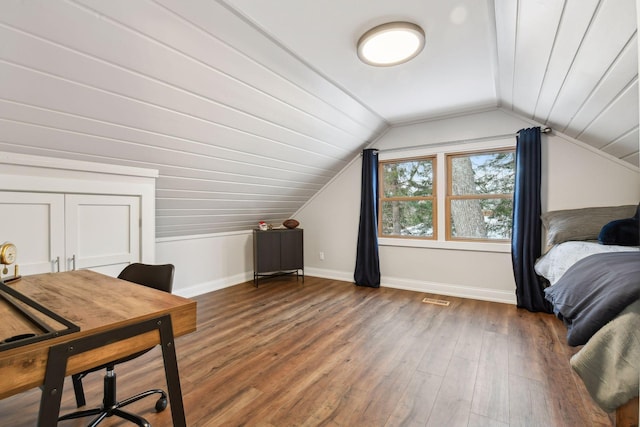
(154,276)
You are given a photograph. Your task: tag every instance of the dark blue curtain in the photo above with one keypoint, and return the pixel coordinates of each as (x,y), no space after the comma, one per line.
(526,235)
(367,272)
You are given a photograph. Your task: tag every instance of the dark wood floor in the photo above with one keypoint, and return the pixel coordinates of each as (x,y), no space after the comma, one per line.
(329,353)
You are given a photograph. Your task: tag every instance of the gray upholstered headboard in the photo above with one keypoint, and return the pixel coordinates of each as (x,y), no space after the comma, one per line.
(581,224)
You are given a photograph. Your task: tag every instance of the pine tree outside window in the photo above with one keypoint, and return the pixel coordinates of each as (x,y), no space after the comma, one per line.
(407,198)
(479,202)
(475,197)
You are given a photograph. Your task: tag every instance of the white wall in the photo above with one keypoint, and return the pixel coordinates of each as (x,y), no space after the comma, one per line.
(574,176)
(208,262)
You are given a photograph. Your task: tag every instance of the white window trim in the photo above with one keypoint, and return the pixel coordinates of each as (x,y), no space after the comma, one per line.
(440,152)
(444,244)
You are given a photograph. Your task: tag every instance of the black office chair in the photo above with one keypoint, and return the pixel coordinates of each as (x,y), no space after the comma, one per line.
(154,276)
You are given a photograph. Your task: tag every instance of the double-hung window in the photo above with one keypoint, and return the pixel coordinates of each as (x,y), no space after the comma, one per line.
(479,201)
(473,203)
(407,205)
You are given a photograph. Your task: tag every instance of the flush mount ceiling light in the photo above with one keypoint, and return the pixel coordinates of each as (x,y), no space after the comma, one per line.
(391,44)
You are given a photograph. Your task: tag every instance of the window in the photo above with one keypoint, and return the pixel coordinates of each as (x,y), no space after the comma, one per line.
(474,192)
(407,198)
(479,199)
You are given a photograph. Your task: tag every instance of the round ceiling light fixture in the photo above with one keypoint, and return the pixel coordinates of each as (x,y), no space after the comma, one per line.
(391,44)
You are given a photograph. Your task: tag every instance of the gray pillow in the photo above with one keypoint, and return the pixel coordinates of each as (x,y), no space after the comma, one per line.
(581,224)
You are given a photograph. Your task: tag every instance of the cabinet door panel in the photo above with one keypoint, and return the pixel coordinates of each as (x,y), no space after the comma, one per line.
(103,232)
(34,222)
(267,251)
(291,250)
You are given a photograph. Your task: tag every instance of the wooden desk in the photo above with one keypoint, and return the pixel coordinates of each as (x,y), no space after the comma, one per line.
(97,304)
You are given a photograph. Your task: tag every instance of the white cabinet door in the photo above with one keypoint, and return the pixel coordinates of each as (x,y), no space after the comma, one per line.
(34,222)
(58,232)
(102,232)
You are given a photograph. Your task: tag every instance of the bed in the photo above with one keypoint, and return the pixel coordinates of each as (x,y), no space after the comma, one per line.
(592,270)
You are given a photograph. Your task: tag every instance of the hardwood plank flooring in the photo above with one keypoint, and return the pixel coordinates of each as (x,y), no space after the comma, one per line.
(328,353)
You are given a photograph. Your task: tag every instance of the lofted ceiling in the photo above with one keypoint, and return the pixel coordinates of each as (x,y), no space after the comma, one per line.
(247,108)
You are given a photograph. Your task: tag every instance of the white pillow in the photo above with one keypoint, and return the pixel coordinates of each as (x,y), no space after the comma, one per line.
(557,261)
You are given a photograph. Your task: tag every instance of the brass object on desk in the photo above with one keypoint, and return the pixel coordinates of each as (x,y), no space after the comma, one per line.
(8,255)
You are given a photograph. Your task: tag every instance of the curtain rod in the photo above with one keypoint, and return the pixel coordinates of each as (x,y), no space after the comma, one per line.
(459,141)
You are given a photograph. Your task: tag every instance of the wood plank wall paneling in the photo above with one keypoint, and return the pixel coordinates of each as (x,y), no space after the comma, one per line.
(551,69)
(226,111)
(178,87)
(329,353)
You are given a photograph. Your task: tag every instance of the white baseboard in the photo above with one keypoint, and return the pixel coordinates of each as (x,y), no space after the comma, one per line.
(329,274)
(483,294)
(461,291)
(214,285)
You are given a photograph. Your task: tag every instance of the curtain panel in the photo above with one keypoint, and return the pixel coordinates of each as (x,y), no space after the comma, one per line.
(526,235)
(367,271)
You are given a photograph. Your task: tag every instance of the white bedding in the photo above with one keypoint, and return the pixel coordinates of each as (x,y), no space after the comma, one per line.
(557,261)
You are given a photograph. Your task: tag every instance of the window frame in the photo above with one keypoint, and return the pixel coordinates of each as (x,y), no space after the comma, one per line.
(439,150)
(450,196)
(433,197)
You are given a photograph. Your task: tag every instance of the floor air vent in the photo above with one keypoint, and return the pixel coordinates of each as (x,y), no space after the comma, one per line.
(436,301)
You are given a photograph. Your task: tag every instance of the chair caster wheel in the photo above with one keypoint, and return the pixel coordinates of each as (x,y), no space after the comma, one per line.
(161,404)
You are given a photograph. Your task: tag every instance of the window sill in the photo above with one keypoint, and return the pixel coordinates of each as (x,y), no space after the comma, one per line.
(447,245)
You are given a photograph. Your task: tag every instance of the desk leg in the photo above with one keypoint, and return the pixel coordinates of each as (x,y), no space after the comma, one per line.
(52,388)
(171,372)
(59,354)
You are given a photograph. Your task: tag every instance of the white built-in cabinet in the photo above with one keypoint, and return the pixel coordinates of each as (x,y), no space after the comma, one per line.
(64,215)
(60,232)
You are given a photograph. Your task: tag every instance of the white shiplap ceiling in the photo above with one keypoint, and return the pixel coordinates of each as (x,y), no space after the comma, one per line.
(247,108)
